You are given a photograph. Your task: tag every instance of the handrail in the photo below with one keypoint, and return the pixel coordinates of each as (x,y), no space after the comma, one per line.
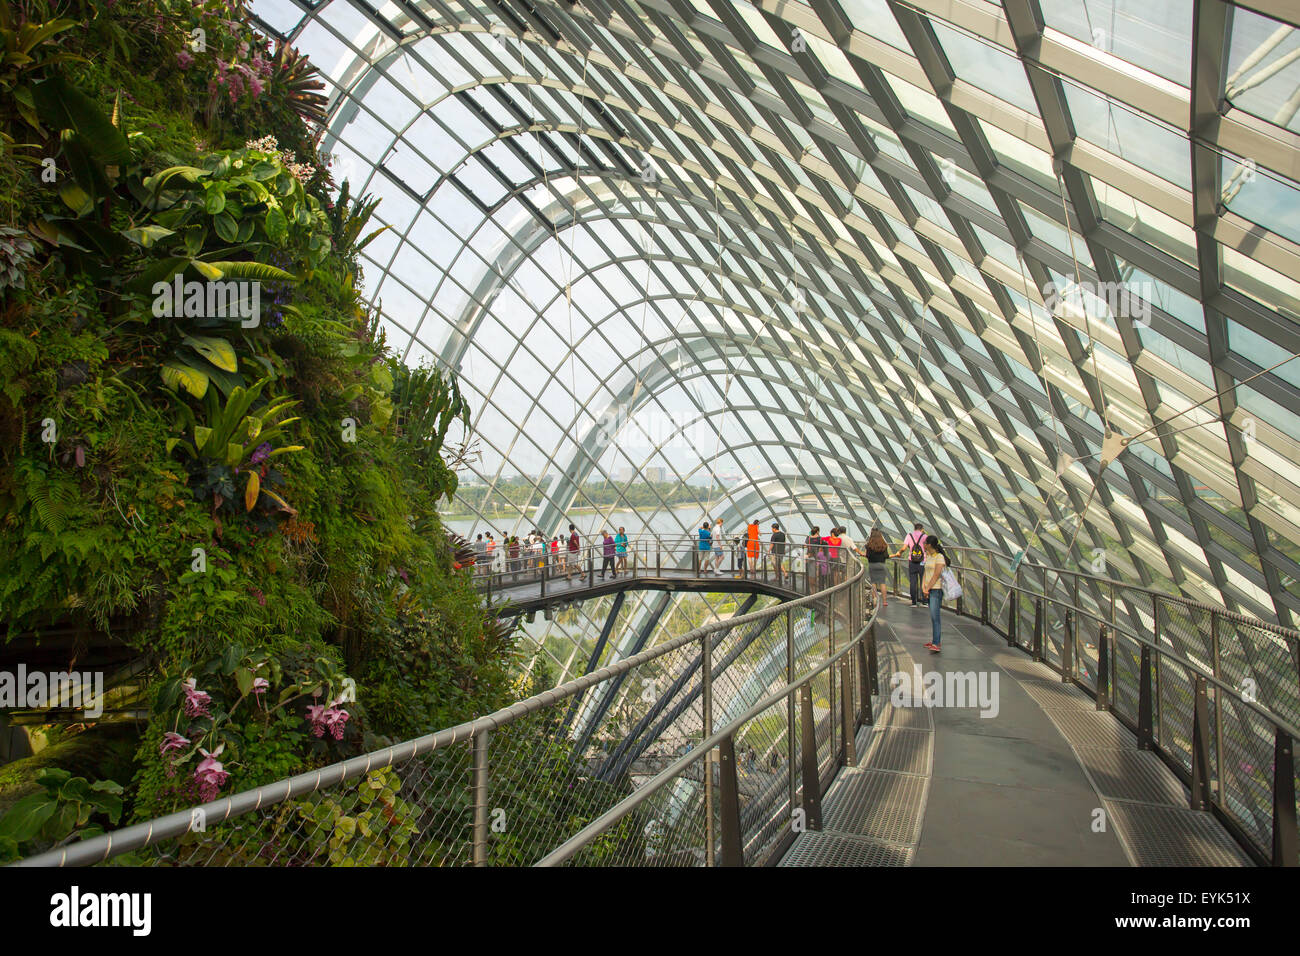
(583,837)
(148,833)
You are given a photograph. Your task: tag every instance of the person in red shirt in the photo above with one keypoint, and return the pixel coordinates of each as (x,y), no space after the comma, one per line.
(751,546)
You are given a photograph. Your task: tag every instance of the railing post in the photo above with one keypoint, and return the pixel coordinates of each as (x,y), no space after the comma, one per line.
(732,849)
(1038,629)
(1159,712)
(1144,737)
(591,567)
(871,659)
(1200,797)
(480,788)
(812,792)
(1013,617)
(1218,711)
(1067,648)
(864,683)
(706,701)
(830,672)
(984,598)
(659,557)
(546,562)
(1103,668)
(1284,821)
(847,723)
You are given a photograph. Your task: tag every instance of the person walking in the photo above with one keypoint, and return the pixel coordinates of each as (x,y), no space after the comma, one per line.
(752,545)
(932,585)
(833,543)
(812,546)
(620,549)
(914,548)
(574,561)
(718,548)
(607,555)
(705,546)
(877,555)
(778,551)
(513,551)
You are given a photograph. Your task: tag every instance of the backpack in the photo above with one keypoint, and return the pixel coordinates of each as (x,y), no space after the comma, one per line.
(948,581)
(918,552)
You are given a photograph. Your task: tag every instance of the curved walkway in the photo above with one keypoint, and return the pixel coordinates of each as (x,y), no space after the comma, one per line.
(526,593)
(1043,780)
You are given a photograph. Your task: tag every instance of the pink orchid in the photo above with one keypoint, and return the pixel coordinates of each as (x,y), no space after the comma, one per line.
(172,741)
(260,685)
(184,58)
(209,774)
(197,702)
(331,718)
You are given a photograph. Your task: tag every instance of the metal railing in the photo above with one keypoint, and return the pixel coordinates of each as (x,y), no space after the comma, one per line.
(510,787)
(1214,693)
(555,573)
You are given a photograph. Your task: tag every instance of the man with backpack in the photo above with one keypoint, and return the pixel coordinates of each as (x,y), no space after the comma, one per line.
(914,548)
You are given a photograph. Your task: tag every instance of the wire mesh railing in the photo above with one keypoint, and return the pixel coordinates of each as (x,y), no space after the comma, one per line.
(507,788)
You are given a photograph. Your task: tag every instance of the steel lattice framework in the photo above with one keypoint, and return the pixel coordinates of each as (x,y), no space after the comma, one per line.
(864,246)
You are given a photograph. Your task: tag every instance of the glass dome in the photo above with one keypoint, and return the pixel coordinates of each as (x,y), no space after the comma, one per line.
(849,260)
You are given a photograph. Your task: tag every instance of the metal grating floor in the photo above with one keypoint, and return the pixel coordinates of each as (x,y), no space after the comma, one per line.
(1056,696)
(872,803)
(1132,775)
(1092,729)
(902,718)
(904,751)
(836,849)
(1022,668)
(1170,836)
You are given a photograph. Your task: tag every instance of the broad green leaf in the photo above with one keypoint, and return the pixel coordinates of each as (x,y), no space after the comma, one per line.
(214,199)
(277,226)
(226,226)
(66,107)
(176,375)
(217,351)
(76,198)
(147,235)
(207,269)
(201,436)
(252,270)
(26,817)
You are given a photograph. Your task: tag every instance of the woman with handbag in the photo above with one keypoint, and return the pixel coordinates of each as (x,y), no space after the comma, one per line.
(936,563)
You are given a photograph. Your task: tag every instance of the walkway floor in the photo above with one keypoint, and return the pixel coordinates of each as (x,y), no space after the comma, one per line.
(1046,781)
(524,589)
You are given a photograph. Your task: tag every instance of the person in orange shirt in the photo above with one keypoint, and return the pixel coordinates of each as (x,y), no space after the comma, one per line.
(752,545)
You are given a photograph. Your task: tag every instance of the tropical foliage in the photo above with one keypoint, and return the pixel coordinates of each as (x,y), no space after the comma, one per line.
(206,449)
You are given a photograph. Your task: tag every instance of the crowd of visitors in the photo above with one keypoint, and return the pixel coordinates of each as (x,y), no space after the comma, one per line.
(821,558)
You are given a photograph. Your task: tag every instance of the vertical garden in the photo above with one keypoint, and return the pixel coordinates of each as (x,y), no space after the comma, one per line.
(217,484)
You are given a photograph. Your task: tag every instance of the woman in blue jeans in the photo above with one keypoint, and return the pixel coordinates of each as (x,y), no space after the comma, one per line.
(932,585)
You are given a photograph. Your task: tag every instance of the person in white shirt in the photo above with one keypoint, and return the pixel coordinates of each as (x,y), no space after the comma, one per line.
(932,585)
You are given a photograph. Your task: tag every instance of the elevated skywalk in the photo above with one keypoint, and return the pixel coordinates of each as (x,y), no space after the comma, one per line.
(1035,777)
